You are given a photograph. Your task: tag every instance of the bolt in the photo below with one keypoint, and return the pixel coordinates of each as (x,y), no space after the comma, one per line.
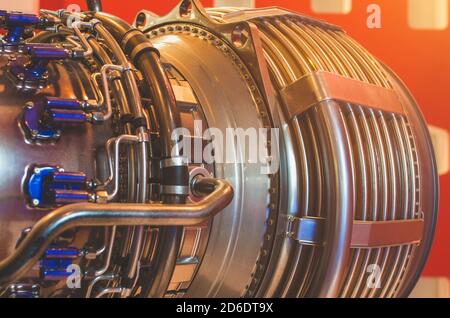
(36,202)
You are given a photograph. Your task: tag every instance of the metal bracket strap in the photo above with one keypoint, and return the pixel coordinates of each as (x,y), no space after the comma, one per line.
(386,233)
(365,234)
(318,87)
(306,231)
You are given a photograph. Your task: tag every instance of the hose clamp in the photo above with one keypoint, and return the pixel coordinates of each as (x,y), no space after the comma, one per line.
(175,189)
(174,162)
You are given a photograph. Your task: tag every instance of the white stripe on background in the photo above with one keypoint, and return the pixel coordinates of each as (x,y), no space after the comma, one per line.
(27,6)
(235,3)
(441,143)
(331,6)
(428,14)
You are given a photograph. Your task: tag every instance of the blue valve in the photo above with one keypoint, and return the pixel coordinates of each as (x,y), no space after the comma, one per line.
(20,26)
(63,103)
(44,120)
(50,186)
(55,269)
(67,116)
(70,196)
(62,253)
(56,262)
(34,75)
(17,24)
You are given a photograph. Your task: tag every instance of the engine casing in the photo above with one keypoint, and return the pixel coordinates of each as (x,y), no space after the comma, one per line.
(354,189)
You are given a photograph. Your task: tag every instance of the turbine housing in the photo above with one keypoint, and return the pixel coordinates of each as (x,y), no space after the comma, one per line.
(99,177)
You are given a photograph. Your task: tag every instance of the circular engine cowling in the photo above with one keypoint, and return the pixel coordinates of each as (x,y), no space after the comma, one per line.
(98,120)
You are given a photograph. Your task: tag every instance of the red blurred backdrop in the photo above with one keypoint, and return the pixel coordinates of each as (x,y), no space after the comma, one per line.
(421,58)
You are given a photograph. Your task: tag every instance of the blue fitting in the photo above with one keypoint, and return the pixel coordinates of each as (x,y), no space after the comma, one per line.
(34,126)
(62,253)
(34,75)
(36,185)
(55,262)
(43,120)
(22,19)
(49,186)
(55,269)
(58,116)
(17,23)
(69,177)
(62,197)
(62,103)
(49,52)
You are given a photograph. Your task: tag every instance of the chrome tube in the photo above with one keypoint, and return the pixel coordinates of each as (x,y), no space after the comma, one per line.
(108,256)
(96,280)
(88,214)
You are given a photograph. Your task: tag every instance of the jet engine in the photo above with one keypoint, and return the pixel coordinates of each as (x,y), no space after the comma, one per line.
(207,153)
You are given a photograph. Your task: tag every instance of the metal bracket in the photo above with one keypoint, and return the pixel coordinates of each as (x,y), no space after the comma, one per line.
(387,233)
(318,87)
(307,230)
(365,234)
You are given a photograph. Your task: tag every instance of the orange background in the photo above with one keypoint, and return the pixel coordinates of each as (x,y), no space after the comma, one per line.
(421,58)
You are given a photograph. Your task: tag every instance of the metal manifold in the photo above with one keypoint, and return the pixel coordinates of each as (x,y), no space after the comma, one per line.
(100,196)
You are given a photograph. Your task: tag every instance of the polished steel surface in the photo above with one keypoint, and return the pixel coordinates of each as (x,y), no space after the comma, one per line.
(351,158)
(17,154)
(236,233)
(320,86)
(71,216)
(356,185)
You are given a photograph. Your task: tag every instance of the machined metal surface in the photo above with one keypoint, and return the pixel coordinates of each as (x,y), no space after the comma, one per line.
(356,131)
(355,185)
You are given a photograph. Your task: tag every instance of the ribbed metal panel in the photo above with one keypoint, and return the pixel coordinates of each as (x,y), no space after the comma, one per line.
(385,166)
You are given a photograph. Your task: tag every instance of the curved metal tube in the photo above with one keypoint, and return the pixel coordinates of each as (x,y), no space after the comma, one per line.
(107,261)
(107,291)
(96,280)
(89,214)
(159,89)
(105,82)
(94,5)
(76,27)
(117,142)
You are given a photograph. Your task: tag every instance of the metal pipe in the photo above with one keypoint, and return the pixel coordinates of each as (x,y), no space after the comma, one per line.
(163,96)
(107,291)
(154,75)
(127,69)
(94,5)
(117,142)
(76,27)
(98,91)
(96,280)
(114,214)
(123,103)
(142,198)
(105,81)
(141,150)
(107,261)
